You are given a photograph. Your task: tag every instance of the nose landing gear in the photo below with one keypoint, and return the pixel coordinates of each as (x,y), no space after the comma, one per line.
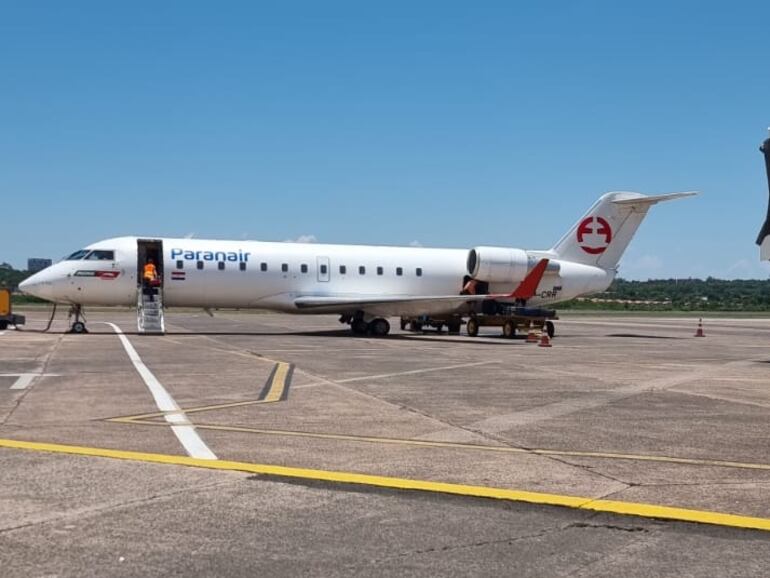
(77,326)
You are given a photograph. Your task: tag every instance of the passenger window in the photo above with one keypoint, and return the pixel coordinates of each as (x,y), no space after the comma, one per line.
(242,266)
(180,264)
(303,268)
(324,269)
(101,255)
(362,270)
(399,271)
(263,266)
(343,269)
(200,265)
(379,270)
(221,265)
(419,271)
(285,267)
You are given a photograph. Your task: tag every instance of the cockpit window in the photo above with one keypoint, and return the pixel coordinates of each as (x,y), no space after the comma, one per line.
(101,255)
(77,255)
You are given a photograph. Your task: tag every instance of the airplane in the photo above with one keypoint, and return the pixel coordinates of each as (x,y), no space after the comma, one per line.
(363,284)
(763,240)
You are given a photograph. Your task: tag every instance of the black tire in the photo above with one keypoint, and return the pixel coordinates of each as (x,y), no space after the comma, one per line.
(78,327)
(404,324)
(472,327)
(359,327)
(550,329)
(3,325)
(509,329)
(379,327)
(454,327)
(415,326)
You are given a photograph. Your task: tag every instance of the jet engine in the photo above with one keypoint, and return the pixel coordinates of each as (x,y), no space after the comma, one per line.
(498,264)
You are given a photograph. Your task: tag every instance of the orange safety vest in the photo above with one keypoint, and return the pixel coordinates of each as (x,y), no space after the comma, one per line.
(150,272)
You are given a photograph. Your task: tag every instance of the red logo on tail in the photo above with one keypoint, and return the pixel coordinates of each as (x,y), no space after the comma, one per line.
(600,235)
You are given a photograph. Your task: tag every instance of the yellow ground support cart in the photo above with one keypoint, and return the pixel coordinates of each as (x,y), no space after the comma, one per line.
(6,315)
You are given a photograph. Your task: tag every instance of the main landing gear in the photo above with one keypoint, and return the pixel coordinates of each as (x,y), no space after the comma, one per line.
(77,326)
(377,327)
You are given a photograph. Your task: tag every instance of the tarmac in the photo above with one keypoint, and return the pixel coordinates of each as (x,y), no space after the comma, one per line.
(264,444)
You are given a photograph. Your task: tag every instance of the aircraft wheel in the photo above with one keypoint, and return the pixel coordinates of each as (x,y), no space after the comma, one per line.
(454,327)
(550,329)
(379,327)
(404,324)
(509,329)
(472,327)
(359,327)
(78,327)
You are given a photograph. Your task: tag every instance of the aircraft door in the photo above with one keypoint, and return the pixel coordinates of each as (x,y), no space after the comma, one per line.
(323,269)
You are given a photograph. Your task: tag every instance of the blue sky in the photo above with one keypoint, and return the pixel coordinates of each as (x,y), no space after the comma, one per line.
(444,123)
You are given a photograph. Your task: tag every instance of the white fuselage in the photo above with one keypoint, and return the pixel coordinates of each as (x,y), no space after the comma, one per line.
(250,274)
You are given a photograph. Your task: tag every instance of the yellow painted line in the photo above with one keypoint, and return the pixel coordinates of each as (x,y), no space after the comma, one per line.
(459,445)
(146,416)
(278,383)
(276,387)
(575,502)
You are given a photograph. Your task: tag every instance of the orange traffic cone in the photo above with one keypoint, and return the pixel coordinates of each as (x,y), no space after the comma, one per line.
(531,335)
(699,332)
(545,341)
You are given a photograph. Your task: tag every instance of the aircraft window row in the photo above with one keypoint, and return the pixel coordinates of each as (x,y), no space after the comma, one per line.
(303,267)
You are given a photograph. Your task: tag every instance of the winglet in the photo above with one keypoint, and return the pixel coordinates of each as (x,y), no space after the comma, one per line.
(528,286)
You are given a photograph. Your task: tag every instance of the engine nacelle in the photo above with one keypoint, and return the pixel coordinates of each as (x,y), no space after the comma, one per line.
(498,264)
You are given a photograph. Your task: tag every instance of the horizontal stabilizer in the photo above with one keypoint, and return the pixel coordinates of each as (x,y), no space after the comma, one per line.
(654,199)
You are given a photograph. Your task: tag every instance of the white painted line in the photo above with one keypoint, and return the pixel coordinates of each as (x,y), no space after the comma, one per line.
(180,425)
(414,371)
(25,379)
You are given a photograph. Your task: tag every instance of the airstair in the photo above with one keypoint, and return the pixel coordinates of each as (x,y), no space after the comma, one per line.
(149,311)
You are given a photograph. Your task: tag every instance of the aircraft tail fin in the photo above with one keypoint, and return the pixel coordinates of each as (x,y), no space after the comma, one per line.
(763,240)
(601,236)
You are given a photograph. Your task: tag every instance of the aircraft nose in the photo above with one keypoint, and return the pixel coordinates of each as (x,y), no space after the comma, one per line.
(39,285)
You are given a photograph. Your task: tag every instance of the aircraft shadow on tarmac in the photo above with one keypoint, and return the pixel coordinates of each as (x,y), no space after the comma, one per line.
(641,336)
(345,333)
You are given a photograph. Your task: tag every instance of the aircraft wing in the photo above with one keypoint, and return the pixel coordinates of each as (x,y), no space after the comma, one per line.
(391,305)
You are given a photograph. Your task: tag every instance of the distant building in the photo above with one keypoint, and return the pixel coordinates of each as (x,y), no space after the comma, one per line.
(34,265)
(6,267)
